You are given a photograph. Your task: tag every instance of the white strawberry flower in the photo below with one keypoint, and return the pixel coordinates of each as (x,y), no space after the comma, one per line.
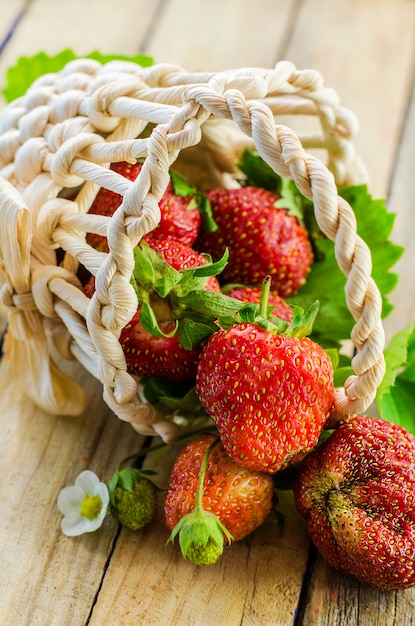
(84,504)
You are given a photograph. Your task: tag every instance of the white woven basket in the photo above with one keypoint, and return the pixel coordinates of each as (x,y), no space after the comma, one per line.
(64,133)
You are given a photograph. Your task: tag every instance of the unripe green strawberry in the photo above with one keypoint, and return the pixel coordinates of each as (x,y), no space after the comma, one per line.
(357,494)
(204,555)
(133,498)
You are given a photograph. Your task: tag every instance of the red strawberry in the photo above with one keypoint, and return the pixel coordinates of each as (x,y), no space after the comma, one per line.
(179,216)
(166,296)
(269,394)
(280,309)
(357,494)
(262,239)
(211,500)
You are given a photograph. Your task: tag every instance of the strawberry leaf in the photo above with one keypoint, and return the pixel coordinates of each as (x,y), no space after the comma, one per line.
(291,199)
(302,323)
(374,225)
(326,282)
(211,303)
(152,272)
(258,173)
(181,186)
(212,269)
(27,69)
(192,332)
(205,209)
(156,388)
(397,390)
(149,322)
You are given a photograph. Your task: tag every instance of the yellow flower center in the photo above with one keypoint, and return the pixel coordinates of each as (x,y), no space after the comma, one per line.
(91,507)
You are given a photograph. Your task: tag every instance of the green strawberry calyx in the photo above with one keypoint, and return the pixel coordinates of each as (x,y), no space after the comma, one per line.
(184,189)
(133,497)
(201,534)
(173,300)
(301,324)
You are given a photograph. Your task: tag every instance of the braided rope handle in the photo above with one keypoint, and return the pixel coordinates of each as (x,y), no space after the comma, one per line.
(65,132)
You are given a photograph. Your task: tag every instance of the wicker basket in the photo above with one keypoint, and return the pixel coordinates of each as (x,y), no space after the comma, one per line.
(62,135)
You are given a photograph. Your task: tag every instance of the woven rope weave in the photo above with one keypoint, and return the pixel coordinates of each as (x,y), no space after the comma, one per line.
(63,134)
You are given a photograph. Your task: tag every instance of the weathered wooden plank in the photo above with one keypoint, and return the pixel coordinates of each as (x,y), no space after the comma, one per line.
(221,35)
(336,599)
(354,44)
(11,13)
(256,581)
(47,577)
(402,202)
(82,26)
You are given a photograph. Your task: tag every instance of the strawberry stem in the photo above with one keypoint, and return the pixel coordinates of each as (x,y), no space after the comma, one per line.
(263,303)
(203,466)
(160,446)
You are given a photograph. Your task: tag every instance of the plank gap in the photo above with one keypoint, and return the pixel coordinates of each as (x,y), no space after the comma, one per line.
(152,26)
(286,38)
(104,572)
(403,130)
(305,586)
(14,24)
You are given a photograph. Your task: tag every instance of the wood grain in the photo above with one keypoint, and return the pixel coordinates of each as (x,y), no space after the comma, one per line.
(82,26)
(354,44)
(44,573)
(365,50)
(336,599)
(221,35)
(253,573)
(401,201)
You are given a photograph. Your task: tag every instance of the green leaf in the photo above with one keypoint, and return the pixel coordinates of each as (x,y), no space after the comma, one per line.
(396,356)
(303,321)
(258,173)
(341,374)
(27,69)
(192,332)
(149,322)
(209,269)
(155,388)
(152,272)
(396,392)
(125,479)
(144,272)
(326,282)
(211,303)
(189,402)
(374,225)
(291,199)
(205,209)
(181,186)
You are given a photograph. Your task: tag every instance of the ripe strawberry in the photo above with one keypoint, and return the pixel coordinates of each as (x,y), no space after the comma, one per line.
(269,394)
(262,239)
(211,500)
(133,497)
(179,215)
(357,494)
(163,355)
(170,279)
(280,308)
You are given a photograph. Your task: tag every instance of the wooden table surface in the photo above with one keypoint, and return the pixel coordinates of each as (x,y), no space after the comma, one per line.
(366,52)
